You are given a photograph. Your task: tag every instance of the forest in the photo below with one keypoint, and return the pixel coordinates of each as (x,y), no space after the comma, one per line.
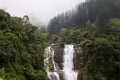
(21,49)
(94,25)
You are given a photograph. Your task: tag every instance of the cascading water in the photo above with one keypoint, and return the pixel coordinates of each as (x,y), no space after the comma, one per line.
(49,55)
(69,73)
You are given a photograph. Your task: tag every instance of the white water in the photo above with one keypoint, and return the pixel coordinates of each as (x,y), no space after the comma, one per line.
(68,65)
(69,73)
(49,54)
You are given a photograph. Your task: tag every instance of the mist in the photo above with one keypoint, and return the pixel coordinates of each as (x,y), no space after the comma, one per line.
(39,11)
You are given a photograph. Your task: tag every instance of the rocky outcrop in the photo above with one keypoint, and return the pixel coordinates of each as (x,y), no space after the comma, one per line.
(78,62)
(58,55)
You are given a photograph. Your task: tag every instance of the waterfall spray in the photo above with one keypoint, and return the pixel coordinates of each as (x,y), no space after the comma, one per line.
(69,73)
(49,54)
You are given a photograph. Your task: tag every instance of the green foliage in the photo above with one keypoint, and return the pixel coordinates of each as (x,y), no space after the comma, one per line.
(8,42)
(36,75)
(95,26)
(4,19)
(102,59)
(14,76)
(99,11)
(101,48)
(2,72)
(21,49)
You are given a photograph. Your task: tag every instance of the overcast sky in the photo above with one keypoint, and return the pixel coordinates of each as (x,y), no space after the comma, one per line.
(39,11)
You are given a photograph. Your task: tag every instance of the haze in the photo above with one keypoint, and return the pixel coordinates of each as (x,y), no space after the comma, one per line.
(39,11)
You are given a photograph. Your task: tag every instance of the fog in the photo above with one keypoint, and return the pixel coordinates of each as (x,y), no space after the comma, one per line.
(39,11)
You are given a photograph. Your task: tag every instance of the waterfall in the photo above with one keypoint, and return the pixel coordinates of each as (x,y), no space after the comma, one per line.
(69,73)
(49,56)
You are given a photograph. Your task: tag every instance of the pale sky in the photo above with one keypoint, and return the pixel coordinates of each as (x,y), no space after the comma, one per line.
(39,11)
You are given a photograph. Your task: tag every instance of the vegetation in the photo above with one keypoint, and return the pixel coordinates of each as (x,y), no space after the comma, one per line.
(95,26)
(96,11)
(21,49)
(101,48)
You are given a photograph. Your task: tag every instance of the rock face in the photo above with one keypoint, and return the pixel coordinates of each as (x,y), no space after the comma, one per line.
(78,62)
(58,55)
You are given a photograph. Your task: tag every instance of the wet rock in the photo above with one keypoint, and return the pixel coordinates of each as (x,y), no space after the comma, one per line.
(58,55)
(62,45)
(61,74)
(78,61)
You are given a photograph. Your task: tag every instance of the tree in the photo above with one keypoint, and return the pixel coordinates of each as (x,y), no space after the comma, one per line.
(103,17)
(4,19)
(21,49)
